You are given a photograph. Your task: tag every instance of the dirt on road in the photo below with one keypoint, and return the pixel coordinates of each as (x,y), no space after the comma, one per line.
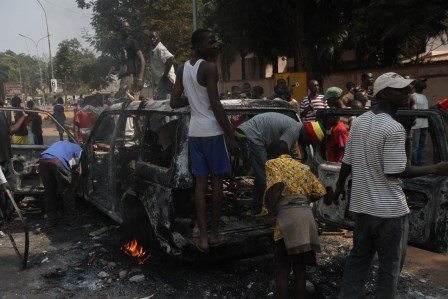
(88,262)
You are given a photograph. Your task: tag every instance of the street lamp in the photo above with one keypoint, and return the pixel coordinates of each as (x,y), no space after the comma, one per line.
(37,53)
(48,35)
(195,15)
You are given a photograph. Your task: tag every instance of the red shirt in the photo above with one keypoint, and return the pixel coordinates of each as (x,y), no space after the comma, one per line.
(84,120)
(336,142)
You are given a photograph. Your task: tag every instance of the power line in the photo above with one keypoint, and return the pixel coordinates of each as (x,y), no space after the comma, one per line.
(67,9)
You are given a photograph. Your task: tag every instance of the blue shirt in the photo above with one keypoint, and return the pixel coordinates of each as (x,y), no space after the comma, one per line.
(66,152)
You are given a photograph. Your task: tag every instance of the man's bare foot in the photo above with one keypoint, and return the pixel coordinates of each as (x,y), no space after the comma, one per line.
(216,240)
(202,244)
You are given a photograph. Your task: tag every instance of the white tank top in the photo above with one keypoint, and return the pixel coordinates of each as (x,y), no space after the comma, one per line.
(203,122)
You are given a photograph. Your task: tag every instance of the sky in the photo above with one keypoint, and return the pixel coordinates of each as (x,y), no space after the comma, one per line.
(65,21)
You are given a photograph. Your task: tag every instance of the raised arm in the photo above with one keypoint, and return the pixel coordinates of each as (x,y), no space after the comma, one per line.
(142,69)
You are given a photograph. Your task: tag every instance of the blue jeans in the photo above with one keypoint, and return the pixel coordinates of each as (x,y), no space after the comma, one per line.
(386,236)
(418,146)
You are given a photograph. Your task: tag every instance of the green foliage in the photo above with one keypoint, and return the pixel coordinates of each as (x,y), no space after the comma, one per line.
(13,66)
(80,68)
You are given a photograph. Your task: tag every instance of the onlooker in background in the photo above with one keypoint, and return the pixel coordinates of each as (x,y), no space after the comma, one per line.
(312,102)
(337,139)
(367,83)
(362,97)
(208,128)
(131,78)
(247,89)
(257,92)
(290,188)
(20,135)
(347,96)
(333,97)
(35,121)
(420,129)
(2,102)
(235,92)
(161,70)
(357,104)
(59,115)
(377,162)
(56,168)
(6,130)
(84,120)
(285,95)
(280,82)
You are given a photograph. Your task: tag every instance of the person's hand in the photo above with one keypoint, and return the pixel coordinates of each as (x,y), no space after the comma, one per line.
(5,187)
(441,168)
(232,144)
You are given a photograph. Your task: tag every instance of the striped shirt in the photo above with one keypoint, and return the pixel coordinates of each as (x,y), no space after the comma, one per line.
(316,103)
(376,148)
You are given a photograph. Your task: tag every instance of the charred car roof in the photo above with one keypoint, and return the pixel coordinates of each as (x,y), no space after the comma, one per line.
(237,104)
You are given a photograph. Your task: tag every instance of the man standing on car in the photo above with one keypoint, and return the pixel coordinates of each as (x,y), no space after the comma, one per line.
(56,168)
(131,73)
(161,70)
(209,126)
(6,130)
(377,160)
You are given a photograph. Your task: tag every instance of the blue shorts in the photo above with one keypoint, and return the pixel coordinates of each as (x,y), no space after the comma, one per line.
(209,155)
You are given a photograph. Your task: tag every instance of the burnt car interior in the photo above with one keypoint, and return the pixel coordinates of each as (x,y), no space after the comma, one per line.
(237,197)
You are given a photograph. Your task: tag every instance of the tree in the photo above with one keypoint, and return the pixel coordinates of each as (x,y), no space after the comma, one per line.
(81,68)
(317,31)
(13,66)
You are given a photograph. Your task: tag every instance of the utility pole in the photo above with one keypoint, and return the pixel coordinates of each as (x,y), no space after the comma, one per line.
(48,35)
(195,15)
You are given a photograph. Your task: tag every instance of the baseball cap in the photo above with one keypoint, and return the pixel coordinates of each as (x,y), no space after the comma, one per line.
(392,80)
(332,92)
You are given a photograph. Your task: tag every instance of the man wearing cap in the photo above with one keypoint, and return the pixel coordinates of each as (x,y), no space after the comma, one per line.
(257,134)
(375,155)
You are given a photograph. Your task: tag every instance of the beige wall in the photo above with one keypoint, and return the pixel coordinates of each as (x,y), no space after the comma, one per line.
(437,74)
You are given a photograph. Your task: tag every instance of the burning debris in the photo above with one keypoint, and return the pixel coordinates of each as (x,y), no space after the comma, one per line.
(136,251)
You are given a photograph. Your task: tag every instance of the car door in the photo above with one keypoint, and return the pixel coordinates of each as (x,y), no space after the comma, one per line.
(99,153)
(25,156)
(426,195)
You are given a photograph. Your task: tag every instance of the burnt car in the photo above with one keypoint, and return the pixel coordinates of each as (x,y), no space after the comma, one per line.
(426,195)
(136,169)
(26,156)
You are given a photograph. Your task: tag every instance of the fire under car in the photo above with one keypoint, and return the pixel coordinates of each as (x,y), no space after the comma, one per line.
(136,169)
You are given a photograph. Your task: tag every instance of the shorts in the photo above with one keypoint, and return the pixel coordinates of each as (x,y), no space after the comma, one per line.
(209,155)
(282,259)
(20,139)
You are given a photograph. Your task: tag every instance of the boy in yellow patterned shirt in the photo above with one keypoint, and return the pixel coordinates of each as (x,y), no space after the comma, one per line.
(291,186)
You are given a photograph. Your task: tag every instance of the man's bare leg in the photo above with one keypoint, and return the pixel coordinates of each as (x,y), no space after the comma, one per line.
(201,188)
(215,237)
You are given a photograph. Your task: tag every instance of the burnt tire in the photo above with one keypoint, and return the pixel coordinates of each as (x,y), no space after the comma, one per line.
(136,224)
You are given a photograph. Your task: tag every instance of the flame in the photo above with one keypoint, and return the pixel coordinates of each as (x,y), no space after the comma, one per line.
(136,251)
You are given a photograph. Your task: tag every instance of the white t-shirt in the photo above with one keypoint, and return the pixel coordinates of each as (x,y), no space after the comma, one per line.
(421,102)
(375,148)
(203,122)
(2,177)
(157,59)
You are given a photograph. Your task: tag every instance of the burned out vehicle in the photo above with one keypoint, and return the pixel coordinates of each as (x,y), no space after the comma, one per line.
(136,169)
(426,196)
(26,156)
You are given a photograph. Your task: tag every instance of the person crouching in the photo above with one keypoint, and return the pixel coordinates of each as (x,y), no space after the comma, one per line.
(291,186)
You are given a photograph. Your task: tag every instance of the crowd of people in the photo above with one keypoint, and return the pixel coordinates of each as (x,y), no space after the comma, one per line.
(284,187)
